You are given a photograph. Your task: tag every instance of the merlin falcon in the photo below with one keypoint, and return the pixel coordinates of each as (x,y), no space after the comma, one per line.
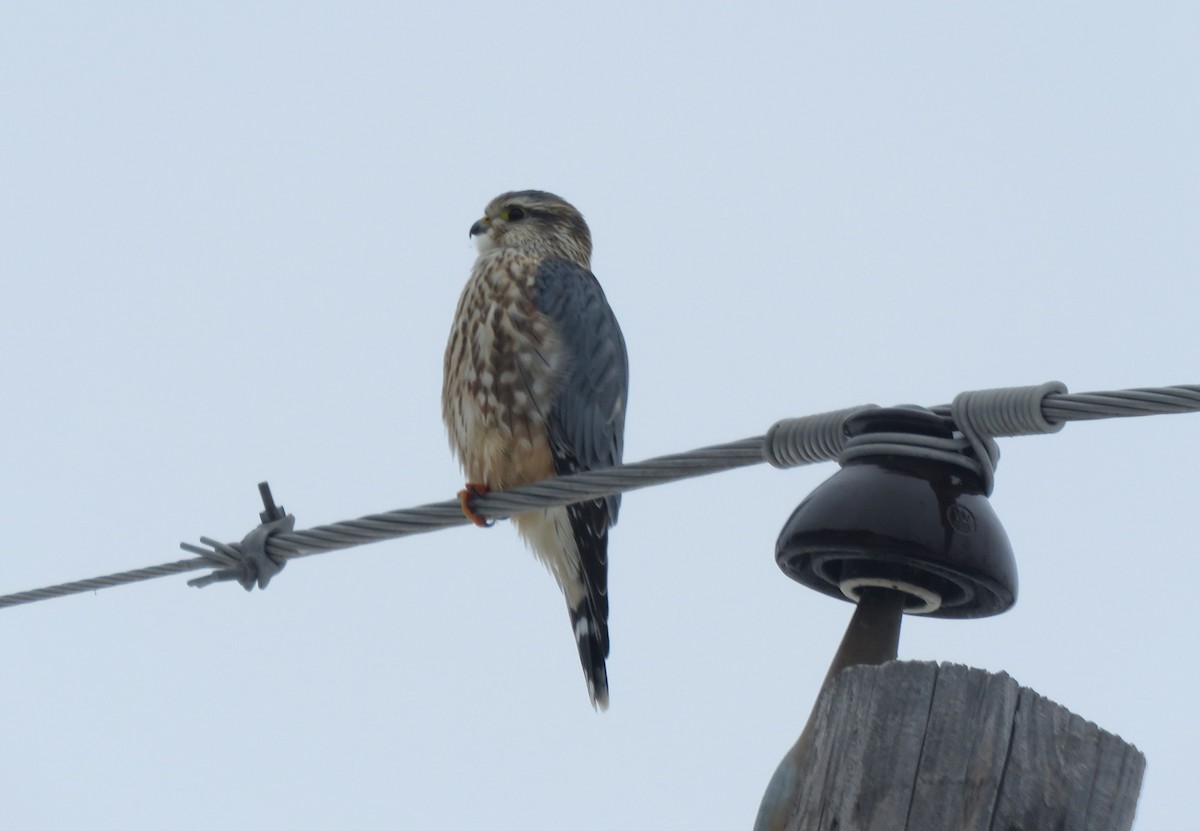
(536,379)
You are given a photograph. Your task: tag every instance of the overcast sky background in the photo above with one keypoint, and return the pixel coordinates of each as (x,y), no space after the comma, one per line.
(232,240)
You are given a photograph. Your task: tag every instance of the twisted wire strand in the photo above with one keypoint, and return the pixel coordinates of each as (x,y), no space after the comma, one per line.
(92,584)
(789,443)
(562,490)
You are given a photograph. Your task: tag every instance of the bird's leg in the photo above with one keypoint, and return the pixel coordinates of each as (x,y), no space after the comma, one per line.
(470,492)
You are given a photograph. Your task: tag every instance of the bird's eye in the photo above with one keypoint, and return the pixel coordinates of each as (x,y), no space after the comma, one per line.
(513,214)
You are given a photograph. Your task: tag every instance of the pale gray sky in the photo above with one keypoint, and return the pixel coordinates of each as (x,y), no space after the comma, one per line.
(232,243)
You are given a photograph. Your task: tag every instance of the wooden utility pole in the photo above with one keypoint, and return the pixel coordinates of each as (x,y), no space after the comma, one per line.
(928,747)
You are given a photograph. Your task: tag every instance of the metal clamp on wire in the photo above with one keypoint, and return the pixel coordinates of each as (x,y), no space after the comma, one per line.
(247,562)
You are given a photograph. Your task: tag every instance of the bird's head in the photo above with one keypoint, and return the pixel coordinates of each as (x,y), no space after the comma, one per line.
(535,221)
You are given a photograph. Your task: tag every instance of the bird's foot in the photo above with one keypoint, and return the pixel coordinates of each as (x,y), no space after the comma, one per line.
(469,493)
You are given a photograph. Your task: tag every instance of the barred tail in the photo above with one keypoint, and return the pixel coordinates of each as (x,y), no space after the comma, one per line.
(591,636)
(573,543)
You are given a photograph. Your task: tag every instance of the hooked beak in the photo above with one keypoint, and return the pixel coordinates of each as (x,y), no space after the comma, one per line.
(478,228)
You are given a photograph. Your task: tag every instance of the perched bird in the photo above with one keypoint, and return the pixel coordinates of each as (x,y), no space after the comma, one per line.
(536,378)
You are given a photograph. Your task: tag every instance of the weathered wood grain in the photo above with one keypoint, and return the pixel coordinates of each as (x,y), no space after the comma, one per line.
(912,746)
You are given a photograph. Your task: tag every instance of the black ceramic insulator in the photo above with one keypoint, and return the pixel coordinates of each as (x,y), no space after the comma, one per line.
(919,526)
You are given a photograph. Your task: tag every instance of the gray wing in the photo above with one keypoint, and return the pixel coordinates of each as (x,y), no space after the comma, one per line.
(587,427)
(587,419)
